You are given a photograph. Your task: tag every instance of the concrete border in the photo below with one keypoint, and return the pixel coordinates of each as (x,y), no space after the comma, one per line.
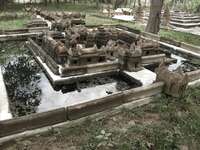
(74,123)
(21,34)
(24,30)
(18,37)
(193,75)
(34,121)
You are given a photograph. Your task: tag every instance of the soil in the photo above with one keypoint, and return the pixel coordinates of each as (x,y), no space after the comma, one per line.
(75,137)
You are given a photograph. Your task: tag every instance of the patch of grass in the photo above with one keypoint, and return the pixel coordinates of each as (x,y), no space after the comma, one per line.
(81,7)
(181,36)
(95,20)
(13,24)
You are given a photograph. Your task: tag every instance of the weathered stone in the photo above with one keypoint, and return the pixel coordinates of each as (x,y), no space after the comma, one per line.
(102,37)
(175,82)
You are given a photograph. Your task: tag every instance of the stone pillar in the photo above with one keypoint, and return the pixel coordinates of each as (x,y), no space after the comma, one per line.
(133,58)
(102,37)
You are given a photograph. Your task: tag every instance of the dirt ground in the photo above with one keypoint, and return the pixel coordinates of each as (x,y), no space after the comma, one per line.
(103,134)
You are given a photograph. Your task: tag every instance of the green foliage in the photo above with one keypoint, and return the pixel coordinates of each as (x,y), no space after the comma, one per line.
(13,24)
(181,36)
(21,80)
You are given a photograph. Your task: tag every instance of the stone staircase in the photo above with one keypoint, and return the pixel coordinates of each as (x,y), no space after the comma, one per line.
(185,20)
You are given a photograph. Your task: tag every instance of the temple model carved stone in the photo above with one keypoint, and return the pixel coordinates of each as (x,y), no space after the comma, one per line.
(175,82)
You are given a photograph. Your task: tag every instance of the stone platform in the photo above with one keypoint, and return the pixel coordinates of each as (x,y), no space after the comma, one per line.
(185,20)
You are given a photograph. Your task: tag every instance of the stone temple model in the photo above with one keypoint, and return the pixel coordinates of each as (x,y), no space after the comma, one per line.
(83,51)
(80,50)
(70,51)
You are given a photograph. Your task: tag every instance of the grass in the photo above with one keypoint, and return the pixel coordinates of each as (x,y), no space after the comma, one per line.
(81,7)
(181,36)
(95,20)
(13,24)
(166,124)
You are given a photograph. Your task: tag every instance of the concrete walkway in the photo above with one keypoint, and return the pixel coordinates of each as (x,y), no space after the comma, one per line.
(4,105)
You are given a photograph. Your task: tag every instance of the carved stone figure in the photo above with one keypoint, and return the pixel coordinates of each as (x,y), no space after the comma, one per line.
(102,37)
(133,58)
(175,82)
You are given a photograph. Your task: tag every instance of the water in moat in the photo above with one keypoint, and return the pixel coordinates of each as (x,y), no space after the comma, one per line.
(30,91)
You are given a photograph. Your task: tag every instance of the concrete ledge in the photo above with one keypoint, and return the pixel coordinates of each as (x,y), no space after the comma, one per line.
(74,123)
(89,69)
(194,75)
(21,124)
(84,109)
(88,108)
(151,59)
(151,36)
(193,84)
(34,121)
(142,92)
(37,51)
(170,41)
(18,37)
(24,30)
(193,48)
(47,118)
(13,126)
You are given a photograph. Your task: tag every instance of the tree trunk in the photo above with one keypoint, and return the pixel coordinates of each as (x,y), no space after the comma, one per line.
(45,3)
(3,4)
(97,3)
(134,4)
(145,3)
(153,25)
(139,3)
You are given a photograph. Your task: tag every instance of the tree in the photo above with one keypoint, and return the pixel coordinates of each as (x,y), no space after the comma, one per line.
(153,24)
(2,4)
(97,3)
(118,3)
(45,2)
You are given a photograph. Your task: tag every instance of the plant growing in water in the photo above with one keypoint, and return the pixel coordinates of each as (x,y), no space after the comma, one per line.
(21,80)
